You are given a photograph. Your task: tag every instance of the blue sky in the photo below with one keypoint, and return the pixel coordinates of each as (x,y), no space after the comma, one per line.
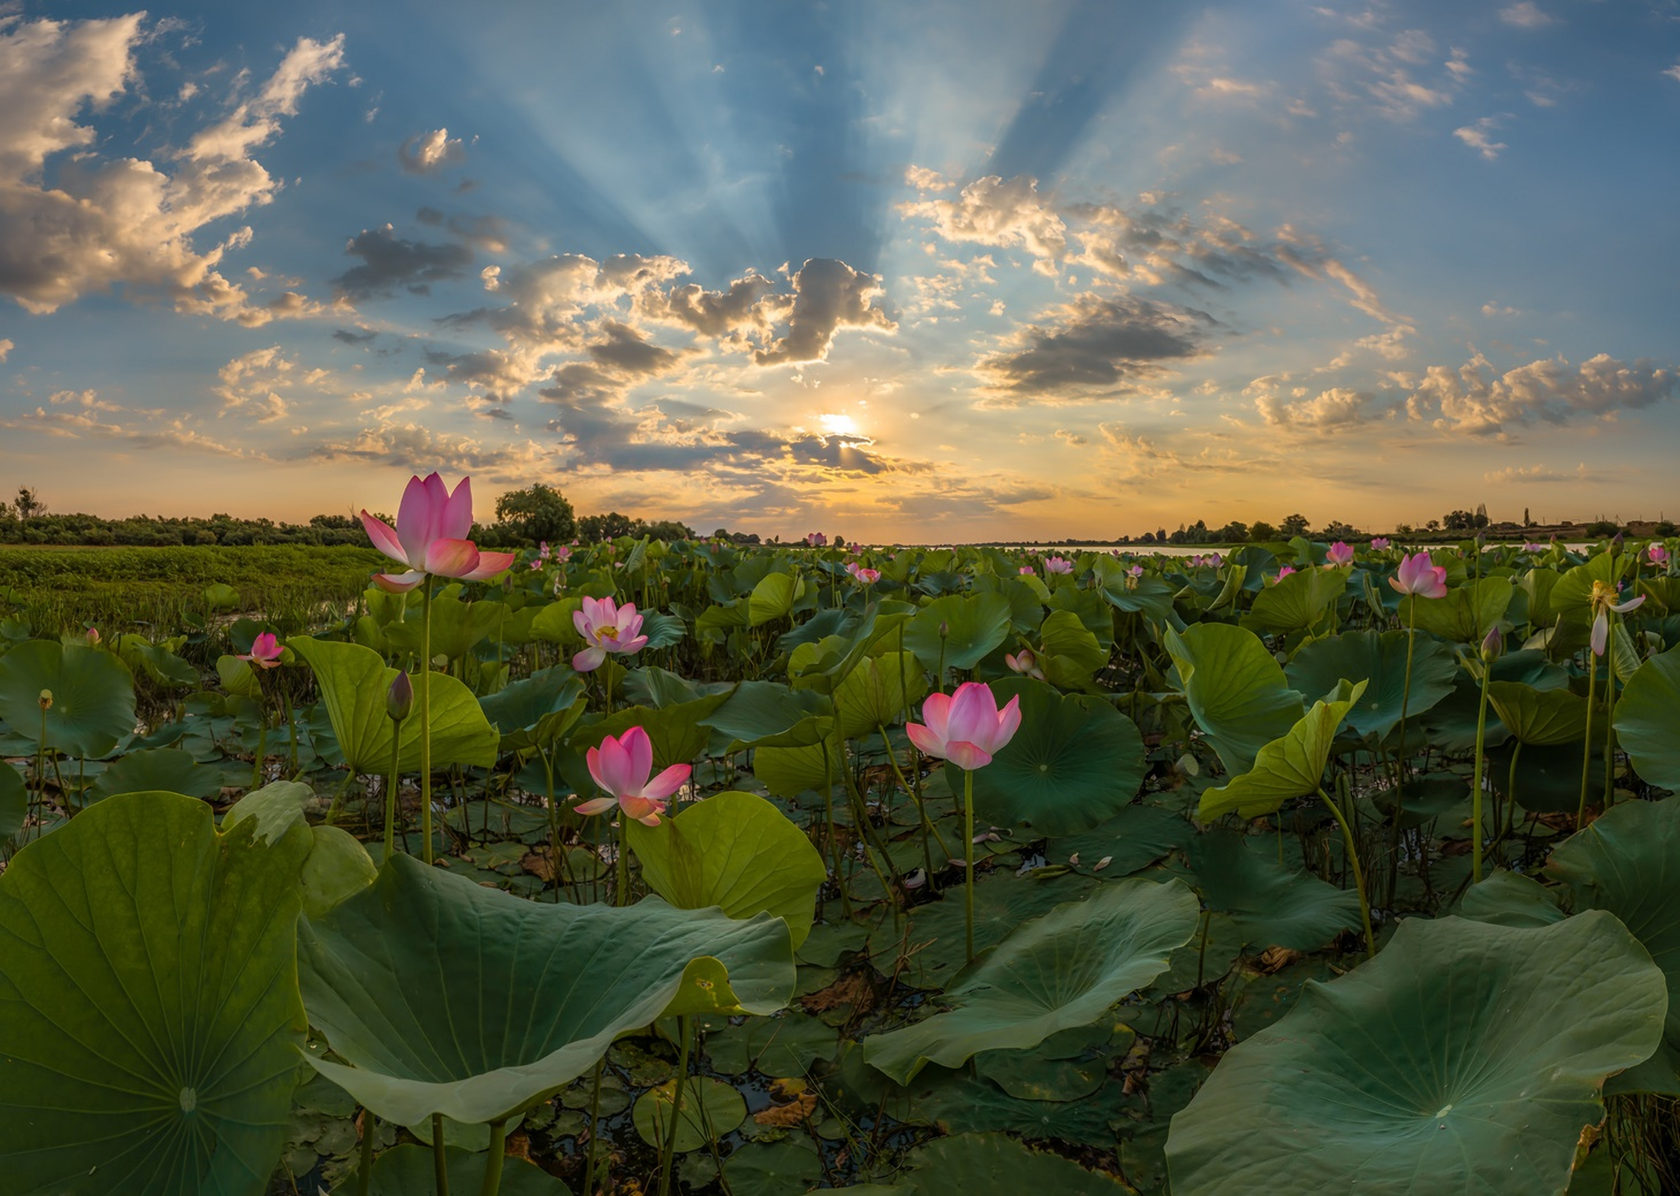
(899,271)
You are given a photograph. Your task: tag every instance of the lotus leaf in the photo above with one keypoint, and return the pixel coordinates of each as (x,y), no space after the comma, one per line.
(958,630)
(1463,1058)
(1296,602)
(1237,692)
(773,598)
(1288,767)
(149,1012)
(14,802)
(1465,614)
(1064,969)
(446,997)
(1541,717)
(710,1109)
(406,1170)
(1380,661)
(1510,899)
(92,696)
(1648,719)
(168,769)
(995,1165)
(1270,904)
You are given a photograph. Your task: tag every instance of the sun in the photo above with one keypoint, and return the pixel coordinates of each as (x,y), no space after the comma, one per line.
(837,423)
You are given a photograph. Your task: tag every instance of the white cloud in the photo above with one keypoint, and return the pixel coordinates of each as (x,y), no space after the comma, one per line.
(1526,14)
(1673,72)
(251,385)
(426,152)
(1337,407)
(1002,213)
(1536,473)
(6,346)
(1479,137)
(1474,399)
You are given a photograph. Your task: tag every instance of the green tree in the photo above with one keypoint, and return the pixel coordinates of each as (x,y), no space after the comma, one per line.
(1294,525)
(1262,531)
(538,512)
(1234,532)
(28,503)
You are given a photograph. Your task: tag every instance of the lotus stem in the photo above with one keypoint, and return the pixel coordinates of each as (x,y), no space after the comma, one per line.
(594,1128)
(1609,709)
(1400,759)
(621,890)
(1476,781)
(928,829)
(391,789)
(498,1155)
(364,1176)
(1358,875)
(968,854)
(440,1157)
(1586,739)
(685,1031)
(426,723)
(828,833)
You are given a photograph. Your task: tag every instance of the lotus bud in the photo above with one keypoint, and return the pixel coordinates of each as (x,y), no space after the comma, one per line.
(1493,643)
(944,630)
(46,700)
(399,699)
(92,636)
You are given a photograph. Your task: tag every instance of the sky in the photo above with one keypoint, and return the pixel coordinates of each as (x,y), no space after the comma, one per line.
(946,270)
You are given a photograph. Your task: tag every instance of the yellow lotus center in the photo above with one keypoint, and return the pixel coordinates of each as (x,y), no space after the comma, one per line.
(608,633)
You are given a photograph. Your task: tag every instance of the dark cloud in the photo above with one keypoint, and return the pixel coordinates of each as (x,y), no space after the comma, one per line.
(628,352)
(353,338)
(1100,345)
(740,311)
(485,231)
(827,295)
(390,262)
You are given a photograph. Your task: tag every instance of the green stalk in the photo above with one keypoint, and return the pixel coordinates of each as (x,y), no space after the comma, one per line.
(621,894)
(829,831)
(1358,875)
(440,1158)
(1476,783)
(391,789)
(1400,760)
(686,1033)
(1609,708)
(928,829)
(426,722)
(364,1176)
(493,1164)
(594,1128)
(1586,739)
(968,838)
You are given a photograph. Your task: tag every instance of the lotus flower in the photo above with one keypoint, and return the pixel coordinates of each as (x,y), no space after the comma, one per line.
(622,767)
(1656,554)
(1417,576)
(1213,560)
(1284,572)
(1024,663)
(1379,543)
(1057,564)
(1603,602)
(399,699)
(966,727)
(815,540)
(264,653)
(1135,571)
(1340,553)
(865,576)
(606,627)
(1027,571)
(430,537)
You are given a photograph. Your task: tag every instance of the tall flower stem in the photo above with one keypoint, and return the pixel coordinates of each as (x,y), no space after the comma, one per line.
(364,1174)
(1586,739)
(426,719)
(493,1163)
(1609,709)
(440,1157)
(1476,781)
(1400,757)
(968,856)
(1358,875)
(621,890)
(685,1031)
(594,1128)
(391,788)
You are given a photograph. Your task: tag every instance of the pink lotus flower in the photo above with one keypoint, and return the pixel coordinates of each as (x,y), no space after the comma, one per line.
(1531,546)
(1284,572)
(606,627)
(1603,602)
(1656,554)
(865,576)
(966,727)
(1135,571)
(264,653)
(92,636)
(816,540)
(1379,543)
(1027,571)
(622,766)
(1024,663)
(1340,553)
(1056,564)
(430,537)
(1418,576)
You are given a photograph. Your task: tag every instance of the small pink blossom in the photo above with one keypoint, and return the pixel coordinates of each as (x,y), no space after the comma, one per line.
(605,627)
(1531,546)
(92,636)
(1027,571)
(865,576)
(816,540)
(264,653)
(966,727)
(1135,571)
(1417,576)
(430,537)
(1056,564)
(1379,543)
(1656,554)
(622,767)
(1284,572)
(1340,553)
(1603,602)
(1024,663)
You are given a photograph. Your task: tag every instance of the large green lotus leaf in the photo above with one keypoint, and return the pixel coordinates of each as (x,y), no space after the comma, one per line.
(1288,767)
(1297,602)
(1465,614)
(878,692)
(1463,1058)
(456,627)
(538,710)
(1510,899)
(168,769)
(1074,762)
(1088,606)
(710,1109)
(773,598)
(406,1170)
(1628,863)
(1548,779)
(757,711)
(973,625)
(1540,717)
(92,696)
(149,1013)
(1235,689)
(1380,661)
(14,802)
(1648,719)
(354,682)
(788,771)
(1271,904)
(1069,651)
(1134,838)
(1061,970)
(447,997)
(735,851)
(997,1165)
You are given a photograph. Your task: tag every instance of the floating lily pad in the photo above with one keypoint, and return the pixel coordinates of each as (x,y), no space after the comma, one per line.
(1465,1057)
(1272,905)
(92,696)
(710,1109)
(994,1165)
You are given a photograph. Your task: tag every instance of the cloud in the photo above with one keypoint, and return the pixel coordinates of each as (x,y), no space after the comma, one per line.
(390,262)
(1474,399)
(128,222)
(1536,473)
(1673,72)
(486,232)
(1338,407)
(1097,345)
(1004,214)
(426,152)
(827,295)
(1387,78)
(1493,308)
(6,346)
(1479,137)
(250,385)
(629,354)
(747,310)
(1526,14)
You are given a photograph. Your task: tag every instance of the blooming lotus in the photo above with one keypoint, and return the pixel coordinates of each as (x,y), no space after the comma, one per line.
(966,727)
(264,653)
(1340,553)
(1379,543)
(1603,602)
(623,767)
(1057,564)
(1024,663)
(865,576)
(606,627)
(1027,571)
(1135,571)
(1284,572)
(430,537)
(1418,576)
(1656,554)
(816,540)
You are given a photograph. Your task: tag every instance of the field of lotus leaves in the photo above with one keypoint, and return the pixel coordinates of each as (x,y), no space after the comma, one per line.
(662,867)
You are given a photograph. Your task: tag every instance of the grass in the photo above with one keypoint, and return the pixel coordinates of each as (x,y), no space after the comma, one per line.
(163,590)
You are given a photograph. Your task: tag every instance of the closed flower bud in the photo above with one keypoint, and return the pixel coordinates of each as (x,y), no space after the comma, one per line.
(399,699)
